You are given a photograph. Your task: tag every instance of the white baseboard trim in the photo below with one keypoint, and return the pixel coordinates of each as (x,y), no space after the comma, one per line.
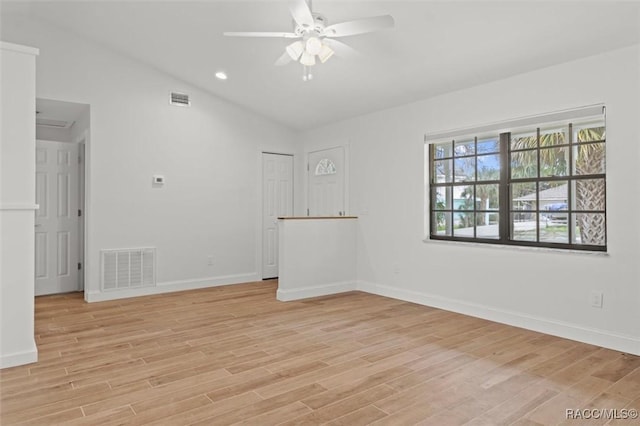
(315,291)
(19,358)
(172,286)
(603,338)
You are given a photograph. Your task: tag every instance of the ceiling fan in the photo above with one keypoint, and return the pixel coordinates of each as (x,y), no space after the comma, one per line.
(314,37)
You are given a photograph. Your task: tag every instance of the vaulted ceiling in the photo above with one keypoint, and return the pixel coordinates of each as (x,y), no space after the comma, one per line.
(435,47)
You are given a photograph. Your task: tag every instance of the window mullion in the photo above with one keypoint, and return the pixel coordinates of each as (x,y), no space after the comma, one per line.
(504,206)
(475,187)
(570,204)
(537,214)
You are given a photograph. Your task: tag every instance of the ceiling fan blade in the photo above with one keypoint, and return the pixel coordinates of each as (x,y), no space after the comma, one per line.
(261,34)
(284,59)
(301,13)
(359,26)
(339,48)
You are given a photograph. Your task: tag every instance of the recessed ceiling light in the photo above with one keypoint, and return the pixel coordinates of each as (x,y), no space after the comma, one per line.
(221,75)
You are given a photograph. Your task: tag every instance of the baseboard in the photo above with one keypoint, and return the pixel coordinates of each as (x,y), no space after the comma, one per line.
(603,338)
(315,291)
(172,286)
(19,358)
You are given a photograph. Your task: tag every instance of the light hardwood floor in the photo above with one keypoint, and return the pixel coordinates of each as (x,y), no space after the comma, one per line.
(234,354)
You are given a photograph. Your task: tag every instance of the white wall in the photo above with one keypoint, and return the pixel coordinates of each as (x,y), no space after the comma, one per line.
(17,205)
(317,257)
(81,127)
(539,289)
(209,154)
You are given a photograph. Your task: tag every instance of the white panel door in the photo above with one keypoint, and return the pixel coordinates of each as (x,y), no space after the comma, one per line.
(277,201)
(56,220)
(326,172)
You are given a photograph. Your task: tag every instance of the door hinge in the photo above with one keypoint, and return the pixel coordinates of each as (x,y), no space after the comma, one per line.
(79,266)
(79,212)
(307,166)
(307,212)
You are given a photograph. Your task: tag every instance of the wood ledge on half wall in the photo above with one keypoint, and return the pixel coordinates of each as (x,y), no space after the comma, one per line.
(315,217)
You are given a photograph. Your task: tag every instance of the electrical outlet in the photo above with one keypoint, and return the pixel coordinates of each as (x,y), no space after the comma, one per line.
(210,260)
(596,299)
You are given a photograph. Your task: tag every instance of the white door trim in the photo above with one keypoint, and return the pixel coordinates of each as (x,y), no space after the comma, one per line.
(82,187)
(85,200)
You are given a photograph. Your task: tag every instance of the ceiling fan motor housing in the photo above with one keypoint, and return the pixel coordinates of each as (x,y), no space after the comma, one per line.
(319,24)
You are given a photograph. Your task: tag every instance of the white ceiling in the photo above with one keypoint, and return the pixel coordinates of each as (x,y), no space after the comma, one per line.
(435,47)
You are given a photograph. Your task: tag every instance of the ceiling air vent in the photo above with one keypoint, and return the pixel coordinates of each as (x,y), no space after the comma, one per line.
(179,99)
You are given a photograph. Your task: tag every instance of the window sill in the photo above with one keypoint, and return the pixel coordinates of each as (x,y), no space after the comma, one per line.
(427,240)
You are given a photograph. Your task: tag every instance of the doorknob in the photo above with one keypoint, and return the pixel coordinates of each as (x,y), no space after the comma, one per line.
(37,225)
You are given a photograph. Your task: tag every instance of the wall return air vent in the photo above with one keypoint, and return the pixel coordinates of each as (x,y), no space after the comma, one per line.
(179,99)
(127,268)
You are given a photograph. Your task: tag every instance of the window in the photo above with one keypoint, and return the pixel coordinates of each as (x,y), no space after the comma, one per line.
(533,185)
(325,167)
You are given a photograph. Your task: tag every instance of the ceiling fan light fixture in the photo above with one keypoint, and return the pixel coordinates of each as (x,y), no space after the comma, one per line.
(295,50)
(308,59)
(315,37)
(325,53)
(313,45)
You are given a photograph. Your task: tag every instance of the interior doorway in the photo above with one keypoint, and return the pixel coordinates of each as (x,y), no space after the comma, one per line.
(62,131)
(277,201)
